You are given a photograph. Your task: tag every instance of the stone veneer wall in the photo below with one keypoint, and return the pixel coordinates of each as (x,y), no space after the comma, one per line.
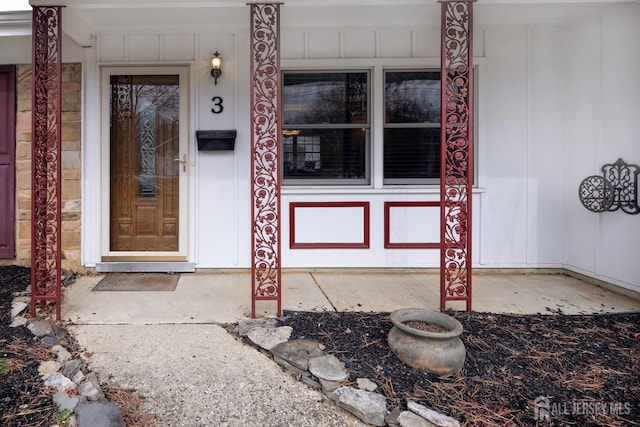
(71,185)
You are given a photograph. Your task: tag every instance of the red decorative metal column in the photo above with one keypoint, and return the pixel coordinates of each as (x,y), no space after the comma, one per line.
(456,166)
(266,281)
(46,158)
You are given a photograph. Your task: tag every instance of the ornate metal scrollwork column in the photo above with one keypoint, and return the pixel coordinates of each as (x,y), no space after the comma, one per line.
(265,157)
(46,231)
(456,166)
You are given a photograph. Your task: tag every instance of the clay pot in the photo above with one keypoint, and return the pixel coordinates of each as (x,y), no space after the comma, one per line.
(441,353)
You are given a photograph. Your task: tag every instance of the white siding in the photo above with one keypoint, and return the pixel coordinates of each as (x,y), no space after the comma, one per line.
(603,107)
(504,205)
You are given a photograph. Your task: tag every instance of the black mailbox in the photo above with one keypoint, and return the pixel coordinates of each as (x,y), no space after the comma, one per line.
(216,140)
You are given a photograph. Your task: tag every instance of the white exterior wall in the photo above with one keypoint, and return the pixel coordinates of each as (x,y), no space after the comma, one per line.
(521,94)
(602,108)
(549,114)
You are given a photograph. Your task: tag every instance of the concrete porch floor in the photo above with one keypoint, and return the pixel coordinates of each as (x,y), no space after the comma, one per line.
(210,296)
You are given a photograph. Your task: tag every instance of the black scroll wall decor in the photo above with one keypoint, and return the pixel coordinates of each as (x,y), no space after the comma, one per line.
(617,188)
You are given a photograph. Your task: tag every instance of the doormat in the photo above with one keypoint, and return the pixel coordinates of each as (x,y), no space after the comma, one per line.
(137,282)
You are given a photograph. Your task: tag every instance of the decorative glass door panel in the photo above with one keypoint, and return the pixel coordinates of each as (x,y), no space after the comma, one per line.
(145,163)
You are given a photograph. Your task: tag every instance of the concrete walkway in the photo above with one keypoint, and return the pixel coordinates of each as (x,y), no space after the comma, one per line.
(211,297)
(170,347)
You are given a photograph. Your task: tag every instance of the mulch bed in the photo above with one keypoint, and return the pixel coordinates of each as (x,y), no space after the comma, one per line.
(588,367)
(24,400)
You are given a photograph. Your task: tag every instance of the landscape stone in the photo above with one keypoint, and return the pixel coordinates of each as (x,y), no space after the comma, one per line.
(392,417)
(19,321)
(410,419)
(268,338)
(65,401)
(90,391)
(328,367)
(289,367)
(78,377)
(329,386)
(93,379)
(435,417)
(46,369)
(71,368)
(18,297)
(58,331)
(366,384)
(50,341)
(370,407)
(63,354)
(246,325)
(40,328)
(99,414)
(17,307)
(60,382)
(297,352)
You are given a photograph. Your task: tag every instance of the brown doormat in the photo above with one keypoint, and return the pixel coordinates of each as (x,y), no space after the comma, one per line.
(137,282)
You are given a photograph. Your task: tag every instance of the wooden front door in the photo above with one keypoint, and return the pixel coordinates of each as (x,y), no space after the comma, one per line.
(145,163)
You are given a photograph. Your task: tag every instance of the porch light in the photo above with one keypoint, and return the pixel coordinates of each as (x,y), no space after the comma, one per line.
(216,62)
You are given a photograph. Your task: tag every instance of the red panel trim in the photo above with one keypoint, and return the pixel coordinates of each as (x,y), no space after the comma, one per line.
(329,245)
(387,230)
(7,161)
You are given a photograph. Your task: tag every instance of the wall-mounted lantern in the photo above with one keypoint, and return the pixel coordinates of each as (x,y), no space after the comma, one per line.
(617,188)
(216,62)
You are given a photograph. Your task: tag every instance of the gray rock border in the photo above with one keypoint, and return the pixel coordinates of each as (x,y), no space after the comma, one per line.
(307,361)
(76,389)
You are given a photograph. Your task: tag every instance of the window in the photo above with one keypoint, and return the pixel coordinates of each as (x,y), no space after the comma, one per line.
(412,127)
(325,127)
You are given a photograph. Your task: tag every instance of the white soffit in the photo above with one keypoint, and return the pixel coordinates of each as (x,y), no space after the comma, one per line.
(83,18)
(15,24)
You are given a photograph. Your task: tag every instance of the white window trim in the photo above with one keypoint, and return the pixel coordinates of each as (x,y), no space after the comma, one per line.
(377,67)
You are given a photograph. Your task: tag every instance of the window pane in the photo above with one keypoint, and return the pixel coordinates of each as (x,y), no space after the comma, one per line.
(412,97)
(316,98)
(412,153)
(324,153)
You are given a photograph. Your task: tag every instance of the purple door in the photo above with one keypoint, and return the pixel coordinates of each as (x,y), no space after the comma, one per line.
(7,160)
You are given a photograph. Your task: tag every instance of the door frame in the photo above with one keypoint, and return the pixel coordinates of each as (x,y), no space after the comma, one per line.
(8,159)
(183,224)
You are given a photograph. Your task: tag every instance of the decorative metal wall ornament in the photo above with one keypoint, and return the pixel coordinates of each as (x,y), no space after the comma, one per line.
(616,189)
(456,172)
(265,141)
(46,160)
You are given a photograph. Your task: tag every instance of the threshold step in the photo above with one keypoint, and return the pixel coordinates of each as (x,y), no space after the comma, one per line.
(145,267)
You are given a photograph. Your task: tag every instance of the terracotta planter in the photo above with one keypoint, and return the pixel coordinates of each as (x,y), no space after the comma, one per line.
(441,353)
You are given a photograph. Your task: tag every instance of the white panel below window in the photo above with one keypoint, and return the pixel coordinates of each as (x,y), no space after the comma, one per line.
(414,224)
(329,225)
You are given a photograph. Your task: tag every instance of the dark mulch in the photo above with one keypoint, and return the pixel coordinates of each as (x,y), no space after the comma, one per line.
(587,366)
(23,399)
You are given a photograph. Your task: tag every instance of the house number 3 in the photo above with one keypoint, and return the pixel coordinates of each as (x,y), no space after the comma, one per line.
(217,105)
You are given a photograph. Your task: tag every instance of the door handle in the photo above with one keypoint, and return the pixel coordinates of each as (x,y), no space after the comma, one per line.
(183,160)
